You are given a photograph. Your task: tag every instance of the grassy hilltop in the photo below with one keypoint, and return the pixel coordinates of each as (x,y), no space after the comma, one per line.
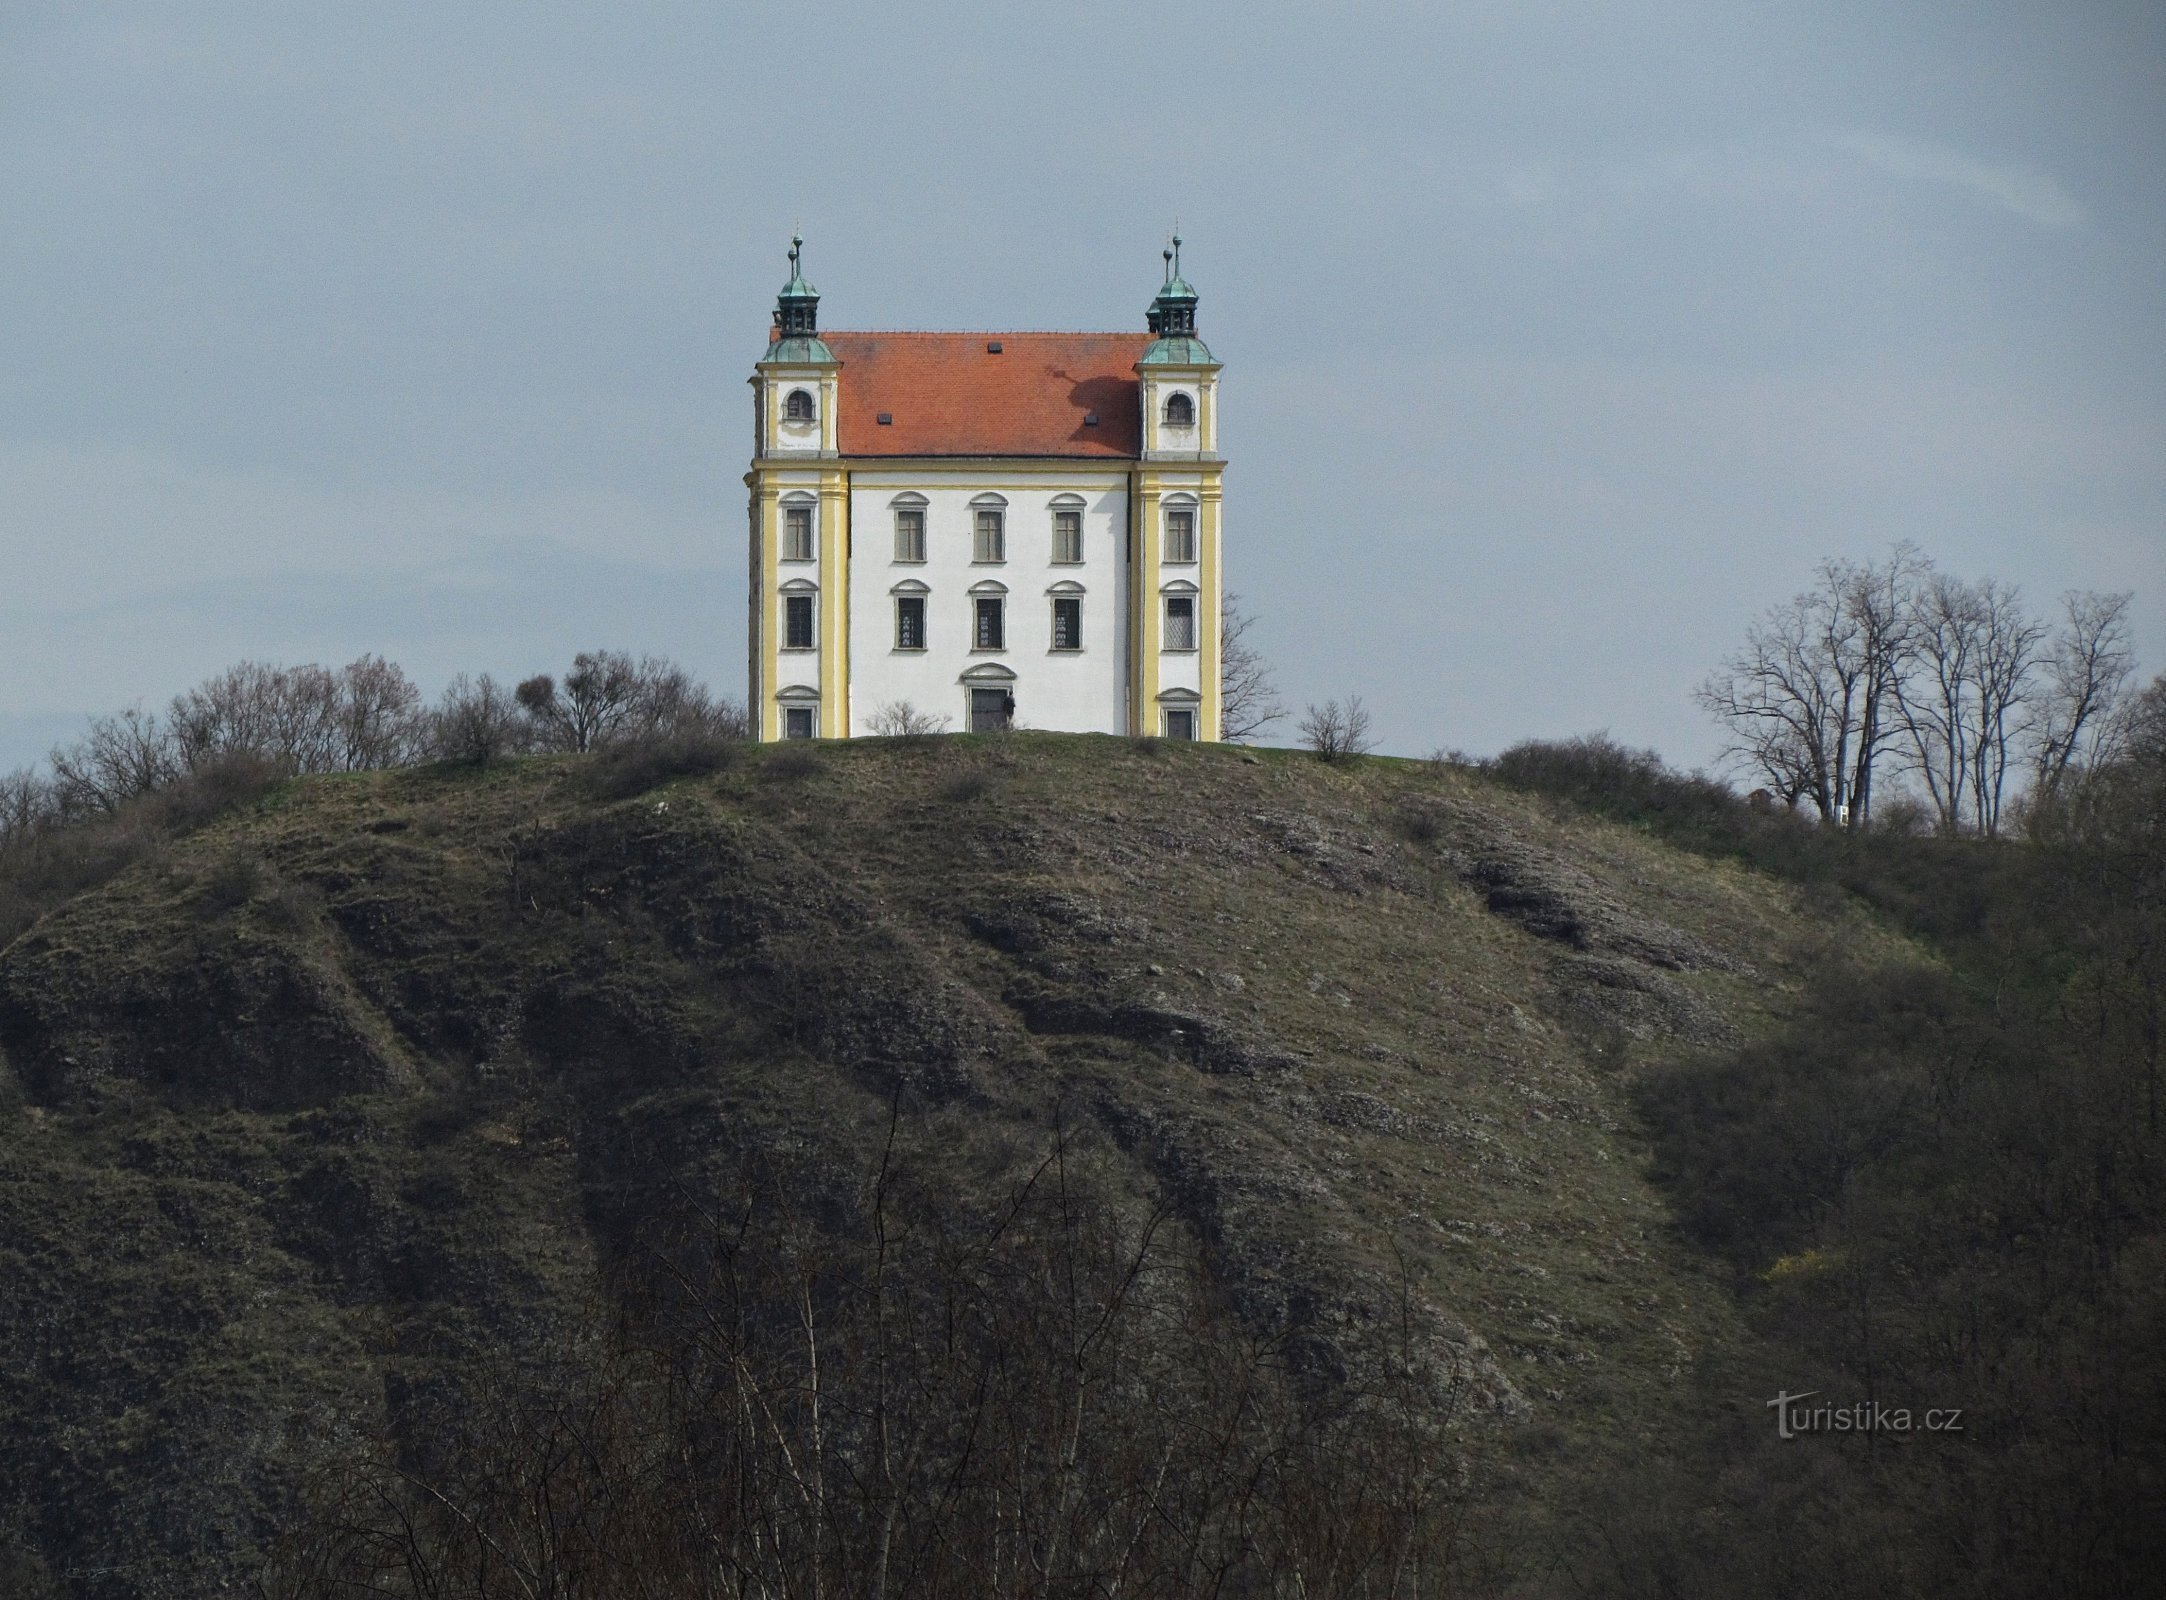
(370,1109)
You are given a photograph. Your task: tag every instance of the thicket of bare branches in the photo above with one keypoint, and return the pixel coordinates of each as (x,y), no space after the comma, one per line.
(1893,668)
(1041,1394)
(1337,730)
(1248,697)
(899,719)
(608,697)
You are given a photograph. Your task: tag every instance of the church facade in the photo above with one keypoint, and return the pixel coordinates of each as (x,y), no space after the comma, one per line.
(990,529)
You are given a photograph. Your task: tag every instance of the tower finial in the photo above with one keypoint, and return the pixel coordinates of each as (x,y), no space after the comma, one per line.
(797,243)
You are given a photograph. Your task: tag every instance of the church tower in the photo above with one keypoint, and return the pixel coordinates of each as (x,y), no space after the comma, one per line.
(988,529)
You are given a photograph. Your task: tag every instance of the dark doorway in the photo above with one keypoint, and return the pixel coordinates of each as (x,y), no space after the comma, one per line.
(991,710)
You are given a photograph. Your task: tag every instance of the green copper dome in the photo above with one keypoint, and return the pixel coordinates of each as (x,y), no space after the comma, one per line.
(1173,318)
(797,316)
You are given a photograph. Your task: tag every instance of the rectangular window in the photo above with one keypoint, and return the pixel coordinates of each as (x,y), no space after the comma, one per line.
(1180,622)
(1180,535)
(1068,536)
(909,622)
(797,622)
(1068,622)
(909,536)
(991,543)
(796,722)
(992,631)
(1180,724)
(797,533)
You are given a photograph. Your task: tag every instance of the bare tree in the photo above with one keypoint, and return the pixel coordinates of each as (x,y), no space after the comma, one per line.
(1810,700)
(378,715)
(27,806)
(122,756)
(477,721)
(899,719)
(608,697)
(1975,660)
(1248,699)
(1337,730)
(599,695)
(288,716)
(2081,718)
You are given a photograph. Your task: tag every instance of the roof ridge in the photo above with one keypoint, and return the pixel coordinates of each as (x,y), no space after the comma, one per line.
(996,333)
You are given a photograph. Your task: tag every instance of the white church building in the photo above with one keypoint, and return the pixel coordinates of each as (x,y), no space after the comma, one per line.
(1001,529)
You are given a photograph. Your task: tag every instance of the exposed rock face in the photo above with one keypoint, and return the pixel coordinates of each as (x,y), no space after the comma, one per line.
(273,1157)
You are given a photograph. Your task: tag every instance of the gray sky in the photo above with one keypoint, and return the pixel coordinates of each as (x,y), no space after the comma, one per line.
(423,329)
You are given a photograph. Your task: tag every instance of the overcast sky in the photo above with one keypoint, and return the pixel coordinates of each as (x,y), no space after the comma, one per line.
(1560,339)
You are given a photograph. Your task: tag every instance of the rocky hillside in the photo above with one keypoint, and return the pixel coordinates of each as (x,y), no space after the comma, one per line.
(384,1073)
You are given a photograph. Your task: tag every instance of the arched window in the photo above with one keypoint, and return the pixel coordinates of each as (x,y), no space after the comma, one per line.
(1180,411)
(909,527)
(1068,529)
(797,514)
(798,407)
(989,528)
(1180,529)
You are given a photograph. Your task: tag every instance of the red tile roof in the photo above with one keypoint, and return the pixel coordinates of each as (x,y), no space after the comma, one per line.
(947,395)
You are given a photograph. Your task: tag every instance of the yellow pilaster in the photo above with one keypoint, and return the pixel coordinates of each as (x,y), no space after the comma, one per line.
(1145,622)
(1207,604)
(767,715)
(834,605)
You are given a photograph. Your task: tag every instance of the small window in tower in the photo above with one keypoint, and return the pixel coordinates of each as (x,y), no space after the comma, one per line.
(798,406)
(1180,622)
(1068,622)
(1067,536)
(797,722)
(992,629)
(797,622)
(1180,533)
(909,533)
(1180,722)
(1180,411)
(797,533)
(909,622)
(991,539)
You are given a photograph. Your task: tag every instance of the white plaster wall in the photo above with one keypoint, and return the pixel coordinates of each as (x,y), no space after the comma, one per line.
(1075,692)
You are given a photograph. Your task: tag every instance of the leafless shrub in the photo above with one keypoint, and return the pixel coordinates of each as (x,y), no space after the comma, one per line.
(899,719)
(632,766)
(1337,730)
(795,761)
(477,722)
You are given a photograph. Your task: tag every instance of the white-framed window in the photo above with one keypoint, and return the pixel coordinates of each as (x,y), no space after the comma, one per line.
(797,530)
(797,406)
(1180,410)
(1180,534)
(1068,530)
(1067,622)
(989,622)
(1180,622)
(988,529)
(910,622)
(797,722)
(909,528)
(798,622)
(1179,722)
